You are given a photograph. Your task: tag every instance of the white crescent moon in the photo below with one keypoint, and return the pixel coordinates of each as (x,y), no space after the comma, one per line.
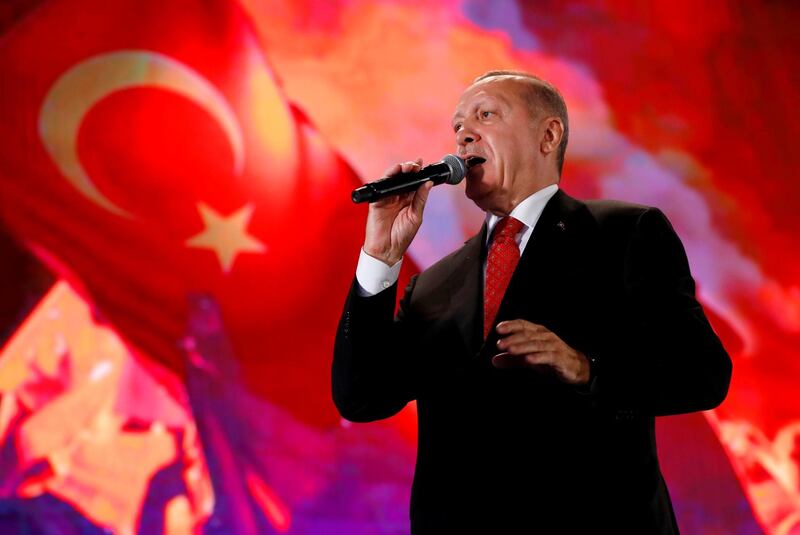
(86,83)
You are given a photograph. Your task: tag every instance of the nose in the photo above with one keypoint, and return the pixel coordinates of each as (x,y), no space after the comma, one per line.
(466,136)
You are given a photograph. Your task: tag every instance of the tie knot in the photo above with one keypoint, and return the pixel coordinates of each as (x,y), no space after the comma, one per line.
(506,229)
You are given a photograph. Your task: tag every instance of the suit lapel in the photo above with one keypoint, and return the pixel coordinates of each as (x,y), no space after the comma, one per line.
(549,236)
(541,259)
(466,288)
(543,253)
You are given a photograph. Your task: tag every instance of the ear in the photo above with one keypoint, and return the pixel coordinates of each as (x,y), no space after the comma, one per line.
(553,132)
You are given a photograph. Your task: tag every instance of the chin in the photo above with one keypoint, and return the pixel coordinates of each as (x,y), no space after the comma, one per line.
(473,190)
(476,184)
(478,193)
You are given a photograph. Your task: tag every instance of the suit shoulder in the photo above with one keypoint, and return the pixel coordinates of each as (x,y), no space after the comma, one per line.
(618,221)
(619,216)
(609,210)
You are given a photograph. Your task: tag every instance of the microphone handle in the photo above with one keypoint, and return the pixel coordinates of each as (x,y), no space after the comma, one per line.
(402,183)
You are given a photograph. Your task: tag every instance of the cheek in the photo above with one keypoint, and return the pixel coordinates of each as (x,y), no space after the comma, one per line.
(504,151)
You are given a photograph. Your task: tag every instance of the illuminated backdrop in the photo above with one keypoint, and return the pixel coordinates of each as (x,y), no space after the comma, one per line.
(182,169)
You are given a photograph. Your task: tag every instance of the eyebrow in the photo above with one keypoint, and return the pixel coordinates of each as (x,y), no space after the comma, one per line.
(478,104)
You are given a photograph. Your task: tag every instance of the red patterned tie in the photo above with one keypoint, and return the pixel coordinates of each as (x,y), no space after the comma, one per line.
(500,264)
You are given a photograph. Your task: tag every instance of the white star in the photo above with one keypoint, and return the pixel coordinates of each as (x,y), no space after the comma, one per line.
(226,236)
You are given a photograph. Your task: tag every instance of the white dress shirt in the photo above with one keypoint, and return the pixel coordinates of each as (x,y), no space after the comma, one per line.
(374,276)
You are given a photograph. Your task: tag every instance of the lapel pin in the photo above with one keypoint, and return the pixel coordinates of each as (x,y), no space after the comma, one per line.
(561,226)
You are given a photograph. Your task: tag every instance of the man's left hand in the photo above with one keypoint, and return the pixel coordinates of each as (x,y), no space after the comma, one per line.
(529,345)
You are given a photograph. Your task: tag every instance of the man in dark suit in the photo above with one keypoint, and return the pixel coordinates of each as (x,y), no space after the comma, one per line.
(540,352)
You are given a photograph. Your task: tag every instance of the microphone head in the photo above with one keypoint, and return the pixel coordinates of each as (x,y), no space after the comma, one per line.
(458,168)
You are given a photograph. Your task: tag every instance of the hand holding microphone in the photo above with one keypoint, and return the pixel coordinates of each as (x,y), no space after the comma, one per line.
(398,200)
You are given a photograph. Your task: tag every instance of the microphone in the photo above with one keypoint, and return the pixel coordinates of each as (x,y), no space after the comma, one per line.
(451,170)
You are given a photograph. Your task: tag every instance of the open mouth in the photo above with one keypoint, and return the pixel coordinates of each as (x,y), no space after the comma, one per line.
(473,161)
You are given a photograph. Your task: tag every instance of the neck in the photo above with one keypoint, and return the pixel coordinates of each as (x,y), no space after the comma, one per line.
(504,208)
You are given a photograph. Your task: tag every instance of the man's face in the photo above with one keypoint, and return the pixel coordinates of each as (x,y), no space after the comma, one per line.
(492,121)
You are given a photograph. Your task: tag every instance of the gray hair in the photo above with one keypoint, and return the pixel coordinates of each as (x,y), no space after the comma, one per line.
(540,95)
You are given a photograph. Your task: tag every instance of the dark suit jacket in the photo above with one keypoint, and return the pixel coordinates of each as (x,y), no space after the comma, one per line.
(518,451)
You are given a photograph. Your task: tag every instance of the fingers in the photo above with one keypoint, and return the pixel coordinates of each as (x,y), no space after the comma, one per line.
(529,346)
(405,167)
(402,199)
(421,197)
(520,337)
(526,344)
(524,336)
(410,167)
(416,198)
(513,326)
(541,361)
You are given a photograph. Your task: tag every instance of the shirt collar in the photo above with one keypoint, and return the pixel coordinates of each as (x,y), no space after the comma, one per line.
(528,211)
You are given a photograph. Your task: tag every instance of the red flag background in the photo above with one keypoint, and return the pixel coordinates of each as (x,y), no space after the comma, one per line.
(197,233)
(155,158)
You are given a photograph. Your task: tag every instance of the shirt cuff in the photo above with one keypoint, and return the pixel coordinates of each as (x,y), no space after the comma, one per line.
(374,276)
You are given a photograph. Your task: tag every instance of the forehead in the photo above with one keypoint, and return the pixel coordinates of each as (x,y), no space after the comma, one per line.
(503,90)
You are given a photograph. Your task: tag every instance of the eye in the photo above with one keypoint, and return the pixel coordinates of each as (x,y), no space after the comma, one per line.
(456,127)
(485,114)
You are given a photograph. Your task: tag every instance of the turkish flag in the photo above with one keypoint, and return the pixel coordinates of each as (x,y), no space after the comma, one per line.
(151,159)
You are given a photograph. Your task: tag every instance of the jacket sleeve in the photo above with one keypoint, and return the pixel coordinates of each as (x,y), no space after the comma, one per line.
(668,359)
(374,360)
